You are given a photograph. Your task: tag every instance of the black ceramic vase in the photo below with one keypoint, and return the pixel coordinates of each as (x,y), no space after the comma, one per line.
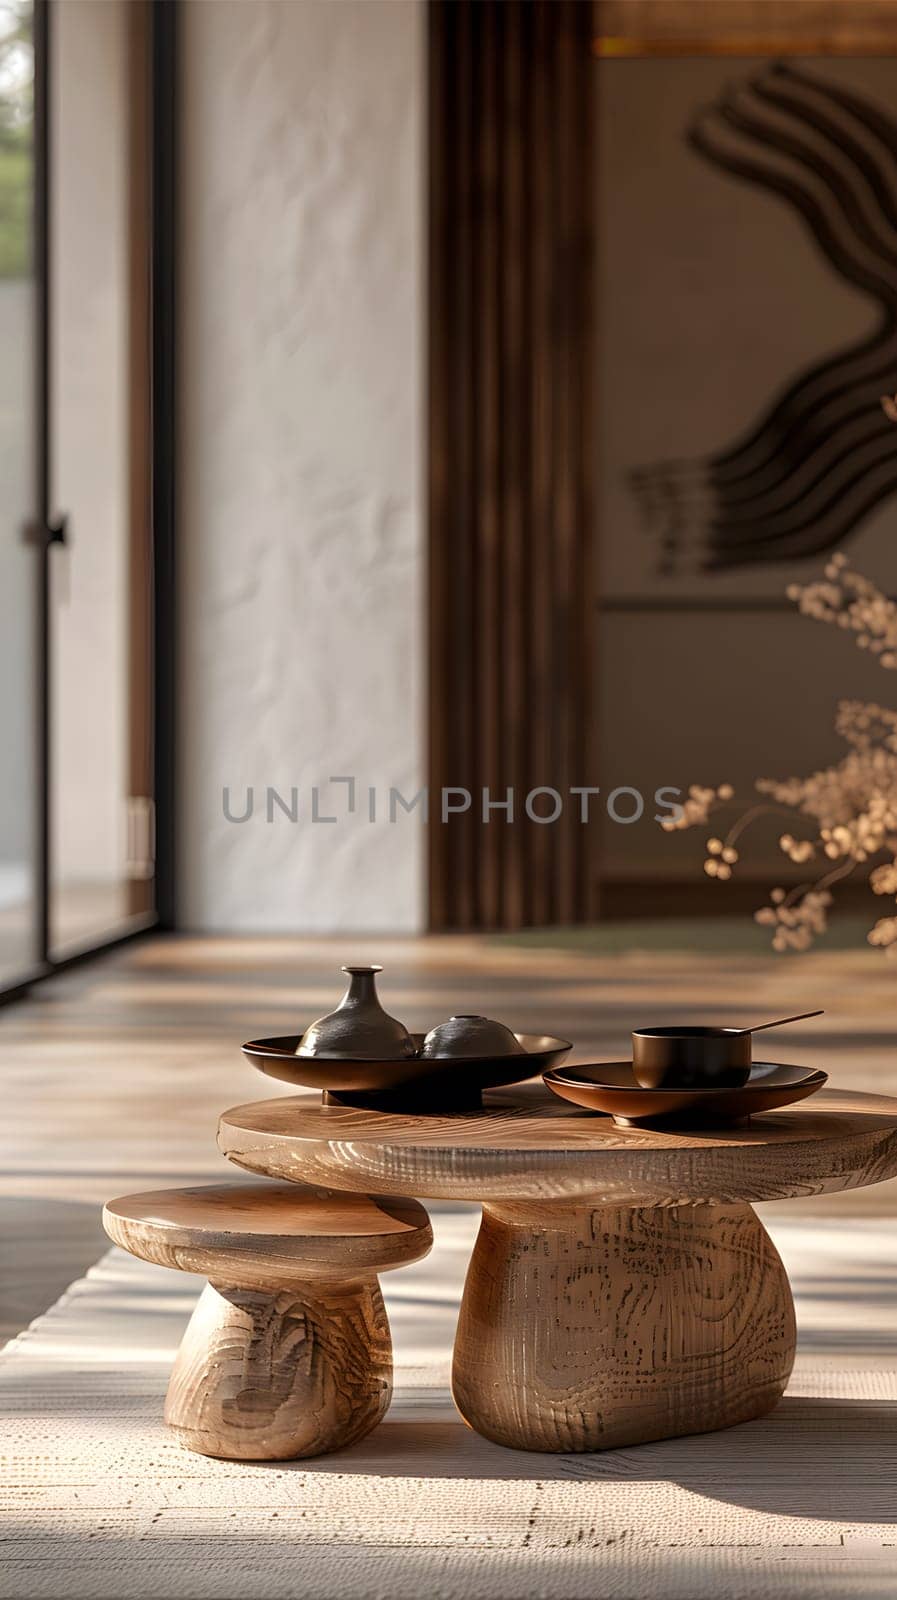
(359,1029)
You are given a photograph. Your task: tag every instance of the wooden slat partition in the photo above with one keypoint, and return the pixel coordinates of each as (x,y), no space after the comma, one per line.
(511,449)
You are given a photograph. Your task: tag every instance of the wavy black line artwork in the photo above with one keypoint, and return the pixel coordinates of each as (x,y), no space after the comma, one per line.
(822,455)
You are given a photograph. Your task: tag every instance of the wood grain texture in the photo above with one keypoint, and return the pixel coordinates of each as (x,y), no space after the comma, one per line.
(745,27)
(527,1145)
(589,1329)
(277,1376)
(268,1234)
(288,1352)
(511,456)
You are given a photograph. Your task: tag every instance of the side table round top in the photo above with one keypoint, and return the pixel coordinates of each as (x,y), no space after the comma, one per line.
(277,1228)
(525,1144)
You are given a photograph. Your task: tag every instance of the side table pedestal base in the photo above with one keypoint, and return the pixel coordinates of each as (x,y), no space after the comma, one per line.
(276,1375)
(589,1328)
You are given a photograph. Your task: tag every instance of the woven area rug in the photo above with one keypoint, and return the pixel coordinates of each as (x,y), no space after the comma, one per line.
(98,1502)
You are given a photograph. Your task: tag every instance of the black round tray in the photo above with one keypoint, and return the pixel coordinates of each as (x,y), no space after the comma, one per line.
(431,1084)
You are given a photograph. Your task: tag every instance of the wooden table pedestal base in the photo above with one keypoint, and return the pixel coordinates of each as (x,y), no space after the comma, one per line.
(588,1328)
(281,1374)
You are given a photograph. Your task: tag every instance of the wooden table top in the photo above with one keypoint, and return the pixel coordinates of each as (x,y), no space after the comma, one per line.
(527,1144)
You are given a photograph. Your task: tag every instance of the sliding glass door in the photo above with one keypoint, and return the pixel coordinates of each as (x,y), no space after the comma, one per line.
(101,812)
(20,554)
(86,164)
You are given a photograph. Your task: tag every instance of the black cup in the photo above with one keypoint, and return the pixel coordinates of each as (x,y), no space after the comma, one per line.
(691,1058)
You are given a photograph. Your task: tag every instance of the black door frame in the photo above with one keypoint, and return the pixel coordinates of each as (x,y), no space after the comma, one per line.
(163,111)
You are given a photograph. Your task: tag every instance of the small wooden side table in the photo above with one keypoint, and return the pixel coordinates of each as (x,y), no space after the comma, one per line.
(622,1288)
(288,1352)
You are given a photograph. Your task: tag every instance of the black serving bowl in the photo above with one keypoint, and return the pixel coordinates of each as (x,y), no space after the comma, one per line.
(691,1058)
(431,1083)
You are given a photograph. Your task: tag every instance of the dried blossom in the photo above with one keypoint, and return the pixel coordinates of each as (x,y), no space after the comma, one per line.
(884,934)
(849,600)
(851,807)
(796,925)
(883,880)
(697,806)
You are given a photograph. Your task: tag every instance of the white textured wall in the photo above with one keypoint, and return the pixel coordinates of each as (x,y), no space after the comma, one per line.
(301,526)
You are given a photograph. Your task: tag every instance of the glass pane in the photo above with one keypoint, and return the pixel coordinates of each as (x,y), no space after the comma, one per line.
(100,840)
(18,558)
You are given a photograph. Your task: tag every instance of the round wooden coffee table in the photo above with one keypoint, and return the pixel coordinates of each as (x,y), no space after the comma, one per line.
(621,1288)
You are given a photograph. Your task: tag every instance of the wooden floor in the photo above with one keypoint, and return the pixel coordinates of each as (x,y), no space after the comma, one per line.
(113,1079)
(98,1502)
(114,1074)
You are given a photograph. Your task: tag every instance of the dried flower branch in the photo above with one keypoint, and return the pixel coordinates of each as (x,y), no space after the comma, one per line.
(851,807)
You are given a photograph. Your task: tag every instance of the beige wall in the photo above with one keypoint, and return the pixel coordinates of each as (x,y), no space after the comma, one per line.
(301,456)
(711,295)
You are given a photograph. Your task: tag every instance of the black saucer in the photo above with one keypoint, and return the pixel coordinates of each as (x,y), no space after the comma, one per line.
(611,1088)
